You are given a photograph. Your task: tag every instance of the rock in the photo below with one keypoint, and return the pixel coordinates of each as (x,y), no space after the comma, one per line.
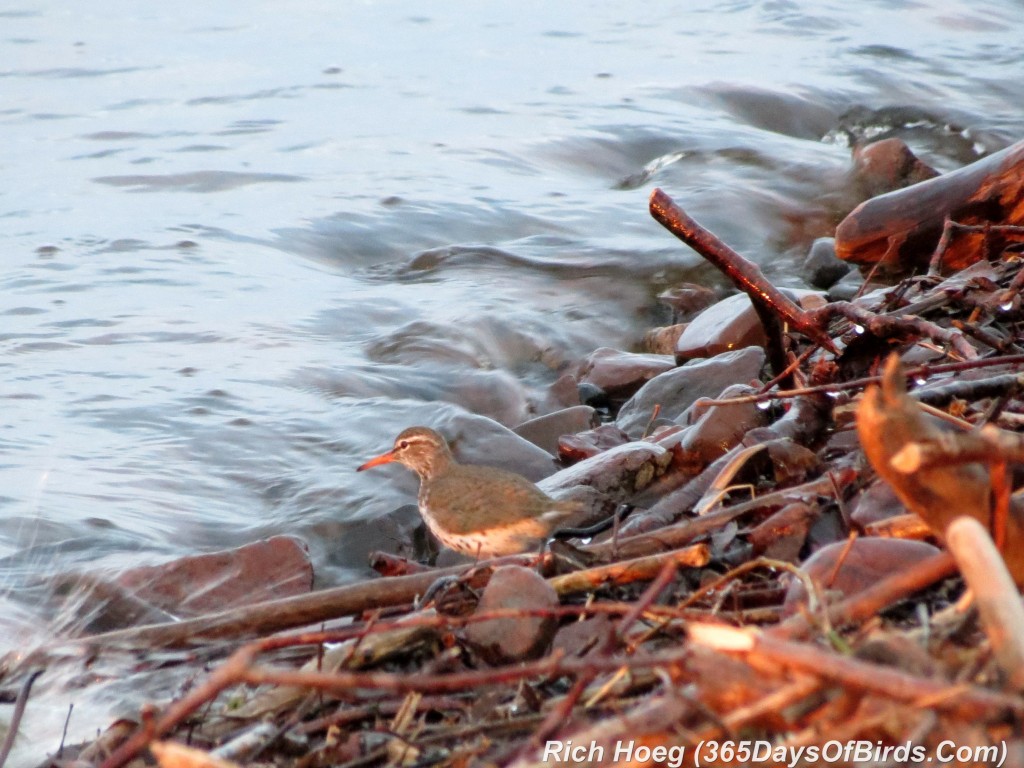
(687,300)
(822,268)
(720,428)
(887,165)
(620,374)
(731,324)
(876,502)
(618,472)
(562,393)
(583,445)
(850,285)
(545,431)
(500,641)
(479,440)
(593,396)
(676,390)
(662,341)
(851,567)
(589,637)
(903,227)
(190,586)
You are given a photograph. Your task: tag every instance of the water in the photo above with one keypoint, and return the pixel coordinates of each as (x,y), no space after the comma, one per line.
(245,244)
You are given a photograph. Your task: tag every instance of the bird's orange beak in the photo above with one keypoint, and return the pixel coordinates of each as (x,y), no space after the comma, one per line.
(384,458)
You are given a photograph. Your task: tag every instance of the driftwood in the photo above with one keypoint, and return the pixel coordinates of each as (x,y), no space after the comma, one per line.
(901,229)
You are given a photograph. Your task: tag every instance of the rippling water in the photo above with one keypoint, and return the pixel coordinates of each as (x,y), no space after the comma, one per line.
(244,245)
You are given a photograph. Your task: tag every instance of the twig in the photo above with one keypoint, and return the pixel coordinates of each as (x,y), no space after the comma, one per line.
(876,598)
(773,307)
(965,701)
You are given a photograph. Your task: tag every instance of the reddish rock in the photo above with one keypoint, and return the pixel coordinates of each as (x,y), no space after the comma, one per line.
(731,324)
(190,586)
(590,637)
(516,638)
(876,502)
(851,567)
(887,165)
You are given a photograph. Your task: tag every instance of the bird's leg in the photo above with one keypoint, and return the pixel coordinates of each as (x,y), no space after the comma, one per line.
(600,527)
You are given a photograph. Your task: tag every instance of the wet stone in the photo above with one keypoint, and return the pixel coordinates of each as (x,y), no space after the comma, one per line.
(479,440)
(618,472)
(687,300)
(676,390)
(662,341)
(887,165)
(499,641)
(822,268)
(721,427)
(545,431)
(620,374)
(731,324)
(190,586)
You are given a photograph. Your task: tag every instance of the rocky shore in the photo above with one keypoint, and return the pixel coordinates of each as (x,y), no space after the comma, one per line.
(792,470)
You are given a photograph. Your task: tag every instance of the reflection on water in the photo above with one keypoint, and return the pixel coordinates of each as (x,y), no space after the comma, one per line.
(243,249)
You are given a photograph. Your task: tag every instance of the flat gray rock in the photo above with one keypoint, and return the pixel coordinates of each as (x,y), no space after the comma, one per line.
(676,390)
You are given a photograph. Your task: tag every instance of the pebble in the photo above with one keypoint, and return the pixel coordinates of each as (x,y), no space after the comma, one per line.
(822,268)
(500,641)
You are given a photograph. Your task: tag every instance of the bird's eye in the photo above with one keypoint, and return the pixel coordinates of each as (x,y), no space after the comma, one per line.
(404,444)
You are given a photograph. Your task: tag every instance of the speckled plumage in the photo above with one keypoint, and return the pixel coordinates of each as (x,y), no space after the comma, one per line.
(479,511)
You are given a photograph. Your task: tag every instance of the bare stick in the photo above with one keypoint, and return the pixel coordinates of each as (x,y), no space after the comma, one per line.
(999,604)
(773,306)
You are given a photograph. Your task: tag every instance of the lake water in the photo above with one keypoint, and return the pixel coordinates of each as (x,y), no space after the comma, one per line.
(243,245)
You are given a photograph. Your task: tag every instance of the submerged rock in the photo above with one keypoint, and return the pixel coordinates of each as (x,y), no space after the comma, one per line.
(887,165)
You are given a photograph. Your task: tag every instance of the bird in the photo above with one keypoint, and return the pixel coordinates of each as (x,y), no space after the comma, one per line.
(479,511)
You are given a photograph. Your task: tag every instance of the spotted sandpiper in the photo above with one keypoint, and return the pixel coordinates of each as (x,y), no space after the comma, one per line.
(479,511)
